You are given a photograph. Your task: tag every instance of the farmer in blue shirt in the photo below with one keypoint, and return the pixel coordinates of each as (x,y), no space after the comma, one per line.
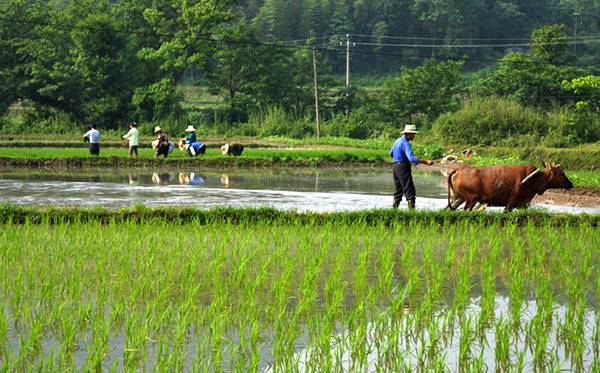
(402,154)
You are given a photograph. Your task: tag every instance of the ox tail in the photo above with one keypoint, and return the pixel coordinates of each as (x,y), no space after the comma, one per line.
(451,190)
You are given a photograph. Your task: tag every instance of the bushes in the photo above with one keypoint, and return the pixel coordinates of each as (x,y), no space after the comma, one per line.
(275,121)
(572,127)
(578,158)
(35,122)
(429,89)
(490,121)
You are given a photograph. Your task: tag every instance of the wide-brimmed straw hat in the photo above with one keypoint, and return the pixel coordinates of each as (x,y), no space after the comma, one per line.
(410,128)
(157,129)
(190,129)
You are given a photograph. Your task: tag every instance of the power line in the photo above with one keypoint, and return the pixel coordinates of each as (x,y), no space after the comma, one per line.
(469,39)
(308,39)
(512,45)
(324,47)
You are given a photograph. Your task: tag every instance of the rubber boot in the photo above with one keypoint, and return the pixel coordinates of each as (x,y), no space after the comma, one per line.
(411,204)
(395,204)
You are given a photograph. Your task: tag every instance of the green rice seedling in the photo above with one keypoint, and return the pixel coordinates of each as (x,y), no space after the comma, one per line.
(478,364)
(516,282)
(463,290)
(502,352)
(434,345)
(98,347)
(358,337)
(488,284)
(68,334)
(421,350)
(4,329)
(520,363)
(30,345)
(132,352)
(467,339)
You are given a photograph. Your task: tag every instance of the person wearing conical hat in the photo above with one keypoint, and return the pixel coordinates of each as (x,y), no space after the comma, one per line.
(162,140)
(402,155)
(190,136)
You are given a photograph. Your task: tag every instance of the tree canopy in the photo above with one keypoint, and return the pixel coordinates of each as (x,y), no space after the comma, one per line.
(110,61)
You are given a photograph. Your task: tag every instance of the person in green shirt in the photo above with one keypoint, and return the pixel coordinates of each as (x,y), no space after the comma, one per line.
(133,137)
(190,137)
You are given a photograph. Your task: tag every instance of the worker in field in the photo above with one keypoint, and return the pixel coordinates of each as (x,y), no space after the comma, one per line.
(162,143)
(190,136)
(402,155)
(93,136)
(133,137)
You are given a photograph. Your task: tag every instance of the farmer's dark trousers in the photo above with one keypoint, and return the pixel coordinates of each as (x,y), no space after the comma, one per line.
(403,182)
(95,149)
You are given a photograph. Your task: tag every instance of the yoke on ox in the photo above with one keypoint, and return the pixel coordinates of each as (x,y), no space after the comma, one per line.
(508,186)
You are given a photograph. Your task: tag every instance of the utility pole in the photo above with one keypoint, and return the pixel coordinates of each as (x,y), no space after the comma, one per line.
(314,58)
(576,14)
(348,45)
(347,60)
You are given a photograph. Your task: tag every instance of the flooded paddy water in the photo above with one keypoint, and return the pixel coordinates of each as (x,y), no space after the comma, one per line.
(296,189)
(404,342)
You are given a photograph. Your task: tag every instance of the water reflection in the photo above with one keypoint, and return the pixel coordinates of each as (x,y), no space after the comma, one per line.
(225,180)
(191,178)
(160,179)
(300,189)
(132,179)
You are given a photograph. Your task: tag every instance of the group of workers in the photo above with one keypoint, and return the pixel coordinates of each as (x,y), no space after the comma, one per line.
(401,154)
(161,145)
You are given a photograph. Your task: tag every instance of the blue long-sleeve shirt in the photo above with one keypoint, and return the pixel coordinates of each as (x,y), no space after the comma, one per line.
(401,151)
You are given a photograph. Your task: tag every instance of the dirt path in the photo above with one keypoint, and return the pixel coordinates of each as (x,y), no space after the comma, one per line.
(576,197)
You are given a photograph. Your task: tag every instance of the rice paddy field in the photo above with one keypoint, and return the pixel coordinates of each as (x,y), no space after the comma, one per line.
(280,292)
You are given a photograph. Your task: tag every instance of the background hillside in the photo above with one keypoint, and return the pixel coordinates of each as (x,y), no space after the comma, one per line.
(481,70)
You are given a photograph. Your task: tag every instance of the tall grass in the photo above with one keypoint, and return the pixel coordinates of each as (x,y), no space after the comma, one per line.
(331,296)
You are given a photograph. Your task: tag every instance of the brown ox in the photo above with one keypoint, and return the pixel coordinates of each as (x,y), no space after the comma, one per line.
(508,186)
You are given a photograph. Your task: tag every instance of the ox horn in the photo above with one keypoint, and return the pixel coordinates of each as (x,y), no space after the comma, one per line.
(546,165)
(531,175)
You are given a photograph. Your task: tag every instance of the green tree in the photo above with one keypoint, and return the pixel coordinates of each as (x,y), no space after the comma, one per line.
(85,77)
(582,124)
(13,59)
(528,80)
(549,45)
(187,36)
(535,79)
(254,75)
(187,33)
(97,55)
(429,89)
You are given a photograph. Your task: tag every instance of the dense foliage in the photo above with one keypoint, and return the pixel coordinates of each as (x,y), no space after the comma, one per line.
(65,65)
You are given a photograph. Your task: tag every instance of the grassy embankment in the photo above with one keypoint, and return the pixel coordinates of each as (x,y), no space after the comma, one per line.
(111,157)
(15,214)
(257,289)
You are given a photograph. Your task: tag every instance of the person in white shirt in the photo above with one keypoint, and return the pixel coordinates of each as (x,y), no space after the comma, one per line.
(133,137)
(93,136)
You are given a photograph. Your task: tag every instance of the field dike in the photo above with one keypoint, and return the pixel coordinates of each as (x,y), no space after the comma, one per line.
(262,290)
(15,214)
